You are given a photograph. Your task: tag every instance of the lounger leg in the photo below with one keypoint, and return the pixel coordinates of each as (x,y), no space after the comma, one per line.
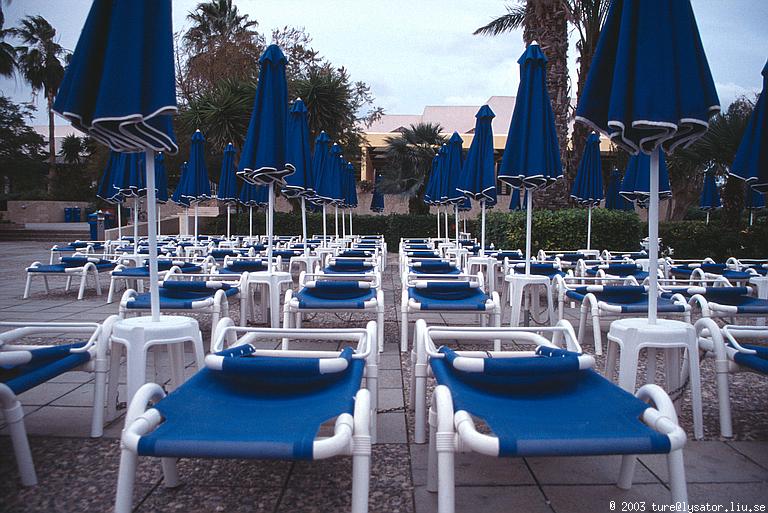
(297,319)
(46,285)
(724,398)
(114,378)
(361,477)
(170,472)
(380,329)
(404,330)
(125,480)
(26,287)
(627,471)
(14,415)
(244,299)
(582,323)
(111,292)
(432,452)
(419,402)
(101,367)
(497,323)
(98,282)
(67,284)
(83,280)
(596,334)
(677,483)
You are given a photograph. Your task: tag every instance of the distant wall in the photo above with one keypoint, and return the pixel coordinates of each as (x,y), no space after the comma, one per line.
(38,211)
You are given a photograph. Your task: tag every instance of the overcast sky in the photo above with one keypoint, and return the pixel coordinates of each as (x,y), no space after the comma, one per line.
(422,52)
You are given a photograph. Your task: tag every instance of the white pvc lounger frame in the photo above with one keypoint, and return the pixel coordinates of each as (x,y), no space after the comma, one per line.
(452,432)
(423,348)
(10,405)
(292,313)
(352,434)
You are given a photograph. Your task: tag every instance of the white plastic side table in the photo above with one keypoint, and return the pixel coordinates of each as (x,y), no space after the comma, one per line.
(487,264)
(273,281)
(630,336)
(517,285)
(139,334)
(761,282)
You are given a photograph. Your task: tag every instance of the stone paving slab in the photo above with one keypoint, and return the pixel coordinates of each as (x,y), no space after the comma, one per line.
(78,473)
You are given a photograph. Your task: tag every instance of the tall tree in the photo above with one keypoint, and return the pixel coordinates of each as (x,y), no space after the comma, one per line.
(220,43)
(713,152)
(22,164)
(535,18)
(7,51)
(72,149)
(40,63)
(409,160)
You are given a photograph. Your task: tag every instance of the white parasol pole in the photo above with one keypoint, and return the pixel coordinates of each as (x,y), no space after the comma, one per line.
(119,222)
(229,232)
(136,224)
(350,222)
(456,222)
(304,225)
(447,237)
(589,227)
(438,222)
(343,224)
(750,218)
(482,227)
(528,230)
(196,223)
(653,238)
(250,223)
(336,219)
(158,220)
(154,289)
(325,229)
(270,226)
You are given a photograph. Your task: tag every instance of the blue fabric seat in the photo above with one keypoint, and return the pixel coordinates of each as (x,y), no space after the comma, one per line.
(569,257)
(241,266)
(434,267)
(331,294)
(622,270)
(588,415)
(539,269)
(512,255)
(181,295)
(455,296)
(422,254)
(45,363)
(286,254)
(162,265)
(709,268)
(73,263)
(757,362)
(353,253)
(349,266)
(631,299)
(214,415)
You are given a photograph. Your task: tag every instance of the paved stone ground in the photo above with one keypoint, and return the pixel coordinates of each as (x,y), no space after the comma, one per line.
(78,473)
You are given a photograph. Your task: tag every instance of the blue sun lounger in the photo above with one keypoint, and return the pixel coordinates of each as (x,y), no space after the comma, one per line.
(732,355)
(24,367)
(722,301)
(259,404)
(546,402)
(68,267)
(141,273)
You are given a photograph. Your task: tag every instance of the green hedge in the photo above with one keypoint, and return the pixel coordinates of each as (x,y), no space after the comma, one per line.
(696,239)
(552,229)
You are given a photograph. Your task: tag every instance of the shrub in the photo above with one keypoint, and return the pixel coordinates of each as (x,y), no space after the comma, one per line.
(696,239)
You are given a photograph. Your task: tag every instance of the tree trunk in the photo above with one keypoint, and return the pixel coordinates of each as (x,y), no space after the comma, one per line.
(51,145)
(546,22)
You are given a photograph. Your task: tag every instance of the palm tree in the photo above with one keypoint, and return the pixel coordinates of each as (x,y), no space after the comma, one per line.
(72,148)
(713,152)
(7,51)
(40,63)
(409,160)
(220,43)
(223,111)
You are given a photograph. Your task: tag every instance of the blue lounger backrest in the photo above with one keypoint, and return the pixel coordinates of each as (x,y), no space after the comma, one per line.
(251,266)
(550,368)
(337,289)
(448,290)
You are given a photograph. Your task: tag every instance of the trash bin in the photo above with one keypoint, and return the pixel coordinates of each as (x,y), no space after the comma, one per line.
(75,214)
(93,225)
(67,215)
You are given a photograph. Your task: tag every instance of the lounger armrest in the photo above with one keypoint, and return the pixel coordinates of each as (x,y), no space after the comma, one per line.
(662,417)
(139,420)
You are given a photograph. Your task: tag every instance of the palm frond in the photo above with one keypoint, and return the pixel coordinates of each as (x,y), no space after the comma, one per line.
(513,20)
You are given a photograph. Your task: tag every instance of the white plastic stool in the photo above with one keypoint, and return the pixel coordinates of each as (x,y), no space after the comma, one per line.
(308,261)
(761,282)
(630,336)
(487,264)
(517,285)
(273,281)
(137,335)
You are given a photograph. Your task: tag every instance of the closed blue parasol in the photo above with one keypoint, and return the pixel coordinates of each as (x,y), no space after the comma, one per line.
(176,197)
(636,186)
(710,196)
(106,189)
(588,185)
(614,200)
(120,88)
(195,186)
(300,183)
(532,155)
(264,159)
(161,186)
(335,176)
(228,182)
(452,165)
(253,196)
(478,177)
(751,160)
(321,174)
(514,199)
(755,201)
(377,199)
(649,88)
